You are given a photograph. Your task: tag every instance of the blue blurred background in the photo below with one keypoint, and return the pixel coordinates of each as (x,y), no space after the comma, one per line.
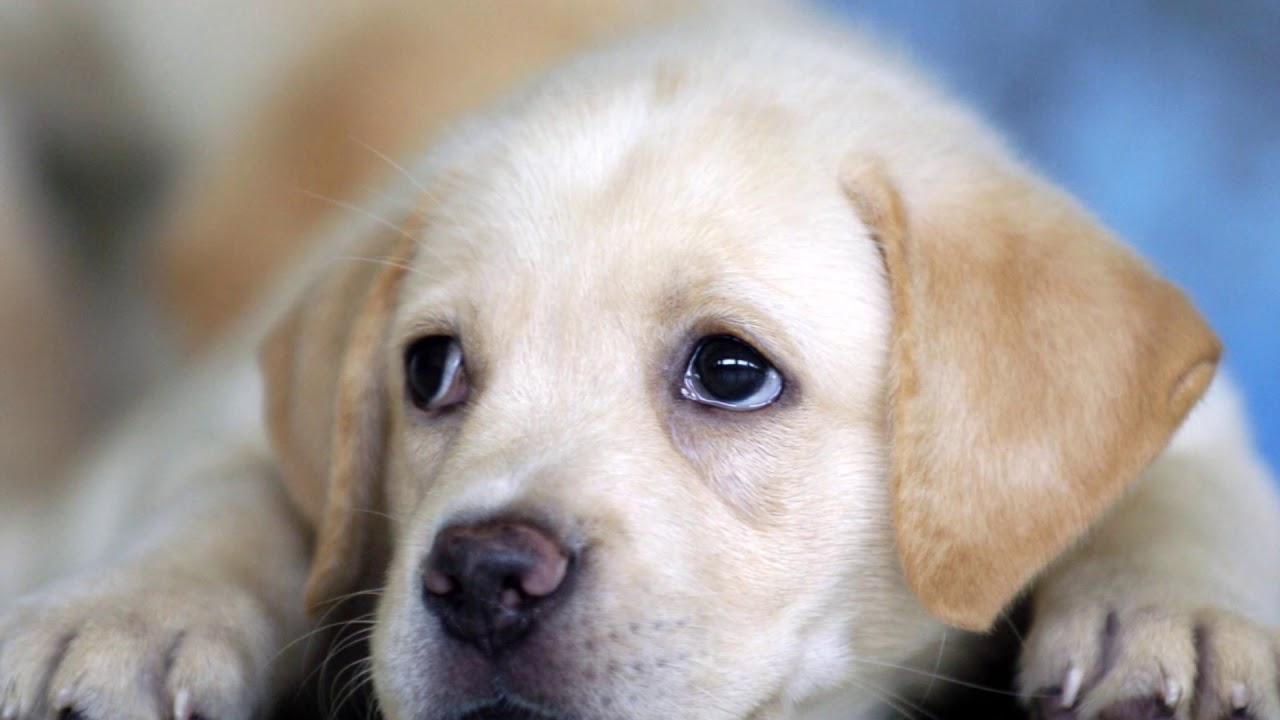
(1163,117)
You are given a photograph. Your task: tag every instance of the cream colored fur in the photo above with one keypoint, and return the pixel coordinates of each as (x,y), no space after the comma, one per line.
(959,341)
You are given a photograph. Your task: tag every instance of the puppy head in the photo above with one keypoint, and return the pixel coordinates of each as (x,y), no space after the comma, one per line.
(711,551)
(678,408)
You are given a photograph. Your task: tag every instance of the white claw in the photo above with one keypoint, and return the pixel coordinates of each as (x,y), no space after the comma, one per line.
(1071,686)
(64,698)
(182,705)
(1172,693)
(1240,697)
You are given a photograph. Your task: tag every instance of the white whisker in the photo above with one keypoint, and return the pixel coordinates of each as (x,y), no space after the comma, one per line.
(394,519)
(896,702)
(380,261)
(383,157)
(946,679)
(360,211)
(937,664)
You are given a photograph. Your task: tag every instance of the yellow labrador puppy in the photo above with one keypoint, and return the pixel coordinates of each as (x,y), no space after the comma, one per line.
(731,373)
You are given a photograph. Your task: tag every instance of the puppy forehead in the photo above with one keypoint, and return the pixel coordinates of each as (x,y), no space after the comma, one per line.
(634,207)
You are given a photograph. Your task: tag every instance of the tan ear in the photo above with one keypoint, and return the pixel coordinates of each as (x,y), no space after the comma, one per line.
(326,406)
(1037,367)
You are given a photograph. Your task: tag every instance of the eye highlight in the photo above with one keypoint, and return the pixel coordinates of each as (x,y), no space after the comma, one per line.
(434,374)
(727,373)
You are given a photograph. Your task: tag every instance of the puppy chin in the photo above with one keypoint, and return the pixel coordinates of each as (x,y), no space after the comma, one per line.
(564,670)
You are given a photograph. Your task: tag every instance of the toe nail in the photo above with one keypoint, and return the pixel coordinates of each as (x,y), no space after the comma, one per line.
(1071,686)
(182,705)
(1172,693)
(1239,697)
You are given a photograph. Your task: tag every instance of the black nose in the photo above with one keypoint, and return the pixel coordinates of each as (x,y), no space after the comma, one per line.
(487,583)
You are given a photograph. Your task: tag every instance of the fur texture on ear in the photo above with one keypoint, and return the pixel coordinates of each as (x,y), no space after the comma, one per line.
(326,407)
(1036,368)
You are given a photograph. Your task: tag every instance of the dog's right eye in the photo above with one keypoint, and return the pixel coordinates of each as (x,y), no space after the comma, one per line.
(434,374)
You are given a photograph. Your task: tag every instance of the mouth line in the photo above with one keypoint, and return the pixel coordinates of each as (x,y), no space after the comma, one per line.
(505,705)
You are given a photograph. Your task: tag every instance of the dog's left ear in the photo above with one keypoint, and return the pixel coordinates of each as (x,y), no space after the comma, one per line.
(324,368)
(1036,368)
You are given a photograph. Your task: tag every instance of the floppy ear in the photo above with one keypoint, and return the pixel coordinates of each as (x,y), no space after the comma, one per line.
(1036,368)
(326,406)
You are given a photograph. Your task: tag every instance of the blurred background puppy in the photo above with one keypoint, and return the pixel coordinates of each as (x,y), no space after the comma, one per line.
(41,379)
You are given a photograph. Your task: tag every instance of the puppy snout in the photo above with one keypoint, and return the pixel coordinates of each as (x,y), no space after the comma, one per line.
(487,583)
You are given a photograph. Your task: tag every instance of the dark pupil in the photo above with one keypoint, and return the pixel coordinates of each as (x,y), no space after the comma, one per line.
(424,366)
(730,370)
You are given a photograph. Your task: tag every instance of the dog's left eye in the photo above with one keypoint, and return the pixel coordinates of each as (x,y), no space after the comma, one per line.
(434,374)
(727,373)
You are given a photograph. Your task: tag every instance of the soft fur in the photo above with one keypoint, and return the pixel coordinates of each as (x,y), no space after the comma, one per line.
(981,391)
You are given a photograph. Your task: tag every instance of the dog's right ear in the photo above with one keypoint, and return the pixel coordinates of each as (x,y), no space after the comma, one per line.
(326,406)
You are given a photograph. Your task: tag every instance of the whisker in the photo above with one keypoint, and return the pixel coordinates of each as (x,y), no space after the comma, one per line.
(398,203)
(360,672)
(380,261)
(364,622)
(937,665)
(360,211)
(951,680)
(337,648)
(396,166)
(355,638)
(339,691)
(896,702)
(363,683)
(311,634)
(394,519)
(1013,628)
(372,708)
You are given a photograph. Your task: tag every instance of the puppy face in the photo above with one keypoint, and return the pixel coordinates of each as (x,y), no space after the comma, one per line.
(717,557)
(699,373)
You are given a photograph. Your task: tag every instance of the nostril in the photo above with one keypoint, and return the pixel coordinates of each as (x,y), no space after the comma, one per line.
(438,583)
(545,577)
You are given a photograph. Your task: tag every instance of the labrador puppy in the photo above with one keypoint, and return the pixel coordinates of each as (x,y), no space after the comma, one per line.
(732,372)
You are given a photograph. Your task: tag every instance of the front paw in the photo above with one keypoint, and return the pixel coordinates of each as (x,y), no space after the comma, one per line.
(124,646)
(1149,662)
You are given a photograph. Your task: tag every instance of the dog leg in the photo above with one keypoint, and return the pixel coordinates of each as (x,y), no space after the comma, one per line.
(191,623)
(1168,610)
